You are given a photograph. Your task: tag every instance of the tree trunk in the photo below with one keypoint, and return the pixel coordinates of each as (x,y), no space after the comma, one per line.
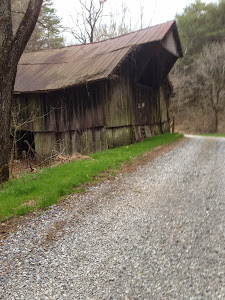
(215,121)
(6,94)
(11,49)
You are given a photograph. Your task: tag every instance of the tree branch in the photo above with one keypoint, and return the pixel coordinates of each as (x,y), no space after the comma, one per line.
(23,13)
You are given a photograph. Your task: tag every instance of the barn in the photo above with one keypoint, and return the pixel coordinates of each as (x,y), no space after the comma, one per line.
(91,97)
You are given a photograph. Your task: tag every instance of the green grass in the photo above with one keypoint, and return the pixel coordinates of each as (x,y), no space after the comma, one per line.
(213,134)
(44,188)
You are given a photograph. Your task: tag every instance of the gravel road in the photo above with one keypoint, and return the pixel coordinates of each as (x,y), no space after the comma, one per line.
(157,233)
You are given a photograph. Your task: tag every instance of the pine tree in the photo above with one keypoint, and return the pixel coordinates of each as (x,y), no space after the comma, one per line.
(47,31)
(198,25)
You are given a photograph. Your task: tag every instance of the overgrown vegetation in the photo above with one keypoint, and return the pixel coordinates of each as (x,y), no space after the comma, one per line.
(44,188)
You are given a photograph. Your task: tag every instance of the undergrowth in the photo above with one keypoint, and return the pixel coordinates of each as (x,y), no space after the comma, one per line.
(44,188)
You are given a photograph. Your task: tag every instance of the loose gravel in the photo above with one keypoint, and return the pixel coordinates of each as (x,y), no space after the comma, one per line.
(157,233)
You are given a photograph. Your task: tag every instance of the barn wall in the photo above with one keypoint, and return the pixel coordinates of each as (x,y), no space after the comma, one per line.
(98,116)
(70,109)
(152,90)
(118,104)
(68,142)
(118,110)
(134,110)
(66,121)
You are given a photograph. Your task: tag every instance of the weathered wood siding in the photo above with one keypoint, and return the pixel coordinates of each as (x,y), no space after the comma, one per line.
(70,109)
(68,142)
(118,104)
(146,106)
(104,114)
(71,120)
(134,110)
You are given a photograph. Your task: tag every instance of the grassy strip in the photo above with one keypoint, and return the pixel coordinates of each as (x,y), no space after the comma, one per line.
(212,134)
(44,188)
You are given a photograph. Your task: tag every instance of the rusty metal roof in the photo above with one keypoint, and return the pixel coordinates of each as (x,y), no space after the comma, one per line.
(55,69)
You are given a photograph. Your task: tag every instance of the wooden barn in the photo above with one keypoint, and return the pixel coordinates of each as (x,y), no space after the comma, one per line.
(91,97)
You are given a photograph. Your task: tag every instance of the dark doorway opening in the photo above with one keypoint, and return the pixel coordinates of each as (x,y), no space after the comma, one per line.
(23,145)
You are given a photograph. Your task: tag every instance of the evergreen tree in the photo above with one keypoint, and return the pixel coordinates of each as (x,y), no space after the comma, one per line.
(198,25)
(47,31)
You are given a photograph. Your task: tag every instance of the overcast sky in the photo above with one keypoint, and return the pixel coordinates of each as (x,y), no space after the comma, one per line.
(155,11)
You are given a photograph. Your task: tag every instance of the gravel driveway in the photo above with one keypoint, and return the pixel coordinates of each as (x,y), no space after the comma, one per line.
(157,233)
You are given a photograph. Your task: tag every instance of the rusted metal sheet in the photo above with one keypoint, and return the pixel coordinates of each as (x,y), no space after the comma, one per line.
(55,69)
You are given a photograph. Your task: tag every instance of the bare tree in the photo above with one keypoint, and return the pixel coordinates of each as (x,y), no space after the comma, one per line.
(11,49)
(141,15)
(93,25)
(210,77)
(203,82)
(88,18)
(117,24)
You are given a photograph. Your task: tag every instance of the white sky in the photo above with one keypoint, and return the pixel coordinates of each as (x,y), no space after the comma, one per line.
(155,11)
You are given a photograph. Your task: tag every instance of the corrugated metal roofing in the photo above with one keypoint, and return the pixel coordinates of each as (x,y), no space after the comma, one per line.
(55,69)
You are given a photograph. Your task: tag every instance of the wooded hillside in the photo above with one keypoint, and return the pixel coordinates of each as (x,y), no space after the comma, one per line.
(199,78)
